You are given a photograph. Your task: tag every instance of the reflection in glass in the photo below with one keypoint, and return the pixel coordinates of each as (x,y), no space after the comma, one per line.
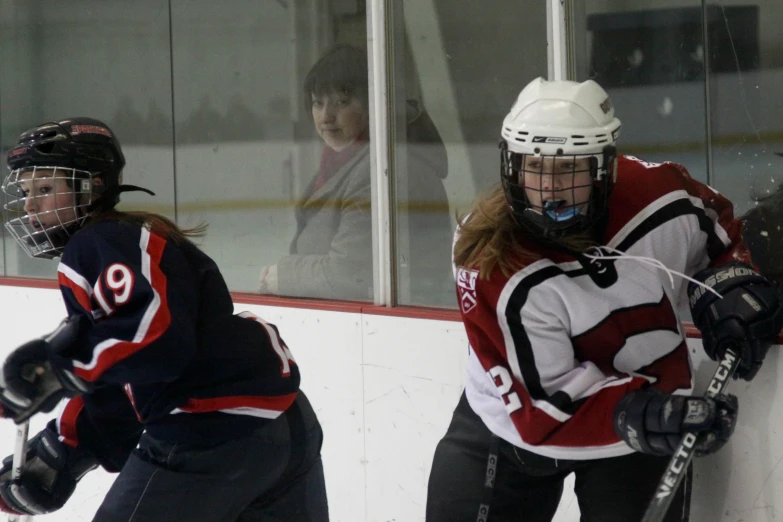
(107,60)
(248,153)
(456,68)
(746,72)
(331,252)
(423,237)
(763,232)
(651,62)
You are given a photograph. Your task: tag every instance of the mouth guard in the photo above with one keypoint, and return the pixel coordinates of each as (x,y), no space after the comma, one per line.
(550,209)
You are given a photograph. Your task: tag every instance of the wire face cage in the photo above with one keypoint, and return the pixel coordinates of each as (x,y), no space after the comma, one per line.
(44,206)
(556,194)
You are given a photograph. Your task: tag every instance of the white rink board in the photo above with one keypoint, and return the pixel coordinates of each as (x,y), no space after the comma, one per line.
(384,389)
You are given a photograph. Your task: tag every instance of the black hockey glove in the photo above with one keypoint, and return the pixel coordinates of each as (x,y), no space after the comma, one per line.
(29,383)
(748,317)
(654,422)
(48,477)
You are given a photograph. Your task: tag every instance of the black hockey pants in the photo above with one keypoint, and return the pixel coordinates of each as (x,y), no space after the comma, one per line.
(527,487)
(274,475)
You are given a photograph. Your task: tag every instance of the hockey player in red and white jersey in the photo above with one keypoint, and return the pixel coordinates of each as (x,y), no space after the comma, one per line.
(199,409)
(569,278)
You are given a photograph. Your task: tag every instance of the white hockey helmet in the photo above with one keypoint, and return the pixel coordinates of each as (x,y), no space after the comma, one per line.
(559,121)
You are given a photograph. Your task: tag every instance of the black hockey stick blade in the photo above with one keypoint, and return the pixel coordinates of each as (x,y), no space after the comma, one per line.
(683,454)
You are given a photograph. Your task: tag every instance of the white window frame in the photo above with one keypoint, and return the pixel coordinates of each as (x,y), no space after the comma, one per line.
(383,284)
(559,62)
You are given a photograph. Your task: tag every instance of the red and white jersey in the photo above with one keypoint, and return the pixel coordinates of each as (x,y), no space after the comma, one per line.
(556,345)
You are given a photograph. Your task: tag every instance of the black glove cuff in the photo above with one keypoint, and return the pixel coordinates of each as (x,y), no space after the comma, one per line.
(629,422)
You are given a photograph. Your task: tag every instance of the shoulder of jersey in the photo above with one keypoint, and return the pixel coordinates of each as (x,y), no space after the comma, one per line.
(108,228)
(102,233)
(645,182)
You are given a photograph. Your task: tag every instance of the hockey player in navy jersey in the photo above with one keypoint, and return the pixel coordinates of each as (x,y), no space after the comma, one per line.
(198,409)
(567,278)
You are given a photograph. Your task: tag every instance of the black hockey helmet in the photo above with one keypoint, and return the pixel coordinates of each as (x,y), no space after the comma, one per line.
(61,172)
(84,144)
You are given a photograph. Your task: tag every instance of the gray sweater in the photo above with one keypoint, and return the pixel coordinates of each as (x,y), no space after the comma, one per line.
(331,252)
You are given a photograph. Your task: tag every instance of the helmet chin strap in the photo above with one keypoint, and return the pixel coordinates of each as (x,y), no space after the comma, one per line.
(108,200)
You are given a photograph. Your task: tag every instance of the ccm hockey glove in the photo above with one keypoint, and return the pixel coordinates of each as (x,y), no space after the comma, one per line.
(748,317)
(49,476)
(654,422)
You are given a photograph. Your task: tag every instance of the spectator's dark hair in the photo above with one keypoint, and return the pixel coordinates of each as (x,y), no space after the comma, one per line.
(342,69)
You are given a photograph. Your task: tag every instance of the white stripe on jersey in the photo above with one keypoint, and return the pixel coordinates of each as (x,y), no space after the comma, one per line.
(657,205)
(152,309)
(76,277)
(483,398)
(242,410)
(146,320)
(82,283)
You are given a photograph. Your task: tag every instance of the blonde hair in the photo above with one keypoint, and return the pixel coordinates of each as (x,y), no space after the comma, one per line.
(490,238)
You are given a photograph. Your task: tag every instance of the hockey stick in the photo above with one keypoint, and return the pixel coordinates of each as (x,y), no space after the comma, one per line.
(20,454)
(683,454)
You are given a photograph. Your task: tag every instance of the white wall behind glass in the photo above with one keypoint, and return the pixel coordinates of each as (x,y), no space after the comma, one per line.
(399,380)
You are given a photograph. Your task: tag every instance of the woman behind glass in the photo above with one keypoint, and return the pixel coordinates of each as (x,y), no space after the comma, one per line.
(330,255)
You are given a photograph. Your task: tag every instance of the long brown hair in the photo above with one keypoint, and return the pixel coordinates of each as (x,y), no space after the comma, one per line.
(490,238)
(157,224)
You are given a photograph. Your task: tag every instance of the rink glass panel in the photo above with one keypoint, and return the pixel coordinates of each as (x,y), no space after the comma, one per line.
(246,147)
(107,60)
(746,105)
(463,64)
(206,102)
(698,85)
(651,61)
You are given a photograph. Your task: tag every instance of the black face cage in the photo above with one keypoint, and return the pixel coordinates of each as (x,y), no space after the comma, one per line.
(548,201)
(44,206)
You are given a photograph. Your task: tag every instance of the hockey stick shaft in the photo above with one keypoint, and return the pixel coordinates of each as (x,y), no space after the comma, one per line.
(20,454)
(683,454)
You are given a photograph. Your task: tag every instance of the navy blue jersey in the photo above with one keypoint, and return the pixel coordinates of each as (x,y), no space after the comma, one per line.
(165,352)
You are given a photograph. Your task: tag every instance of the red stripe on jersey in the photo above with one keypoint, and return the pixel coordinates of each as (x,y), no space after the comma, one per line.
(157,327)
(80,293)
(642,183)
(591,425)
(66,424)
(738,252)
(725,211)
(601,344)
(276,403)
